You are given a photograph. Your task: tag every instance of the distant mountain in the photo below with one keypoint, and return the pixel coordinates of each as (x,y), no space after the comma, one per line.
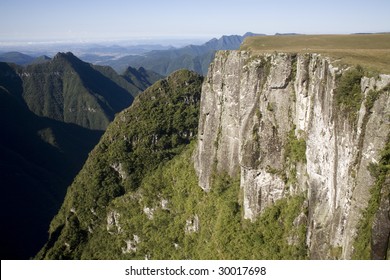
(193,57)
(67,89)
(141,78)
(231,42)
(22,59)
(102,54)
(16,57)
(287,34)
(70,90)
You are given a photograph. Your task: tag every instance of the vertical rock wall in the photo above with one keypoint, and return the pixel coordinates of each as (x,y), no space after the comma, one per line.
(254,109)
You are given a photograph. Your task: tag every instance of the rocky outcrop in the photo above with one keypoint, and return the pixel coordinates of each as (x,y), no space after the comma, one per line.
(275,121)
(113,225)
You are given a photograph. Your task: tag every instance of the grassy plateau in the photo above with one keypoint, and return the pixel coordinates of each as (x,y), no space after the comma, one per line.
(371,51)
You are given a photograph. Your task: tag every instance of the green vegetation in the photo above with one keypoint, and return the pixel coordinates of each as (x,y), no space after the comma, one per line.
(380,171)
(70,90)
(159,124)
(295,149)
(348,94)
(372,51)
(221,232)
(373,95)
(294,153)
(141,78)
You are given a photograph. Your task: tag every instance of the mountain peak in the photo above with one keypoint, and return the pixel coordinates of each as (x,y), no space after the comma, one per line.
(69,57)
(63,55)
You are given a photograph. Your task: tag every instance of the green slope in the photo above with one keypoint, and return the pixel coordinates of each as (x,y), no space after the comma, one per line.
(67,89)
(70,90)
(158,125)
(170,217)
(141,78)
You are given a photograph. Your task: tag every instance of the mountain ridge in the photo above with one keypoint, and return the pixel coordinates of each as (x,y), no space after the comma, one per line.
(16,57)
(192,57)
(67,89)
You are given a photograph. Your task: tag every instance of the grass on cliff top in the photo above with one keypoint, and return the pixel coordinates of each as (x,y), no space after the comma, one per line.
(369,50)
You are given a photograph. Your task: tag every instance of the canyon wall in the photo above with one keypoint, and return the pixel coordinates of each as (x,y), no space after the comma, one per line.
(280,123)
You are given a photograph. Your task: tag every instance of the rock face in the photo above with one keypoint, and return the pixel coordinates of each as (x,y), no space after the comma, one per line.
(274,120)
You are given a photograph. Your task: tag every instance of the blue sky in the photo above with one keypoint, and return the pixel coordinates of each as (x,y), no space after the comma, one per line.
(120,19)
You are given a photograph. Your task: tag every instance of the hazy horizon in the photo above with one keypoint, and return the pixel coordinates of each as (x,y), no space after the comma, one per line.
(119,20)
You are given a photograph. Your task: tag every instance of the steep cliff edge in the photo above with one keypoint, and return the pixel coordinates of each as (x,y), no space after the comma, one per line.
(296,125)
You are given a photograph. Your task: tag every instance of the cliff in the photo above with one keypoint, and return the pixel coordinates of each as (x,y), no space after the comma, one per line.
(295,125)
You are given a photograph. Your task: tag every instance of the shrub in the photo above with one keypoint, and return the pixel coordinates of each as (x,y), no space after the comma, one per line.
(295,149)
(348,94)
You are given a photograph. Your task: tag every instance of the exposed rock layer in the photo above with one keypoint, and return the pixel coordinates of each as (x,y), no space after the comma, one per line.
(255,109)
